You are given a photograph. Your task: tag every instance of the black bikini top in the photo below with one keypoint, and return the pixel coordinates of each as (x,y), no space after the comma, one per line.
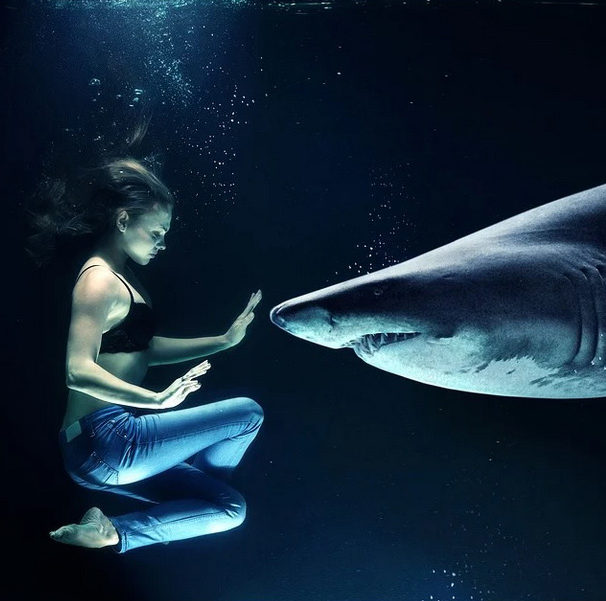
(134,332)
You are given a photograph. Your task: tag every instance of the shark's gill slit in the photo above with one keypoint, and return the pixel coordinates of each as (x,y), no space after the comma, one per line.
(598,290)
(588,319)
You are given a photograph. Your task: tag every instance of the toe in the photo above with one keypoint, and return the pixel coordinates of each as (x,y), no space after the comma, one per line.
(58,534)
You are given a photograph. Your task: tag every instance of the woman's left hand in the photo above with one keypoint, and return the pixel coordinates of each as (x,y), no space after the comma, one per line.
(237,331)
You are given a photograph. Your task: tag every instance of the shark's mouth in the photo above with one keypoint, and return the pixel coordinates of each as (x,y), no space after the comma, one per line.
(371,343)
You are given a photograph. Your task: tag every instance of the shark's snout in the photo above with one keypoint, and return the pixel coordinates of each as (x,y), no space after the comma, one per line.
(305,320)
(276,316)
(287,315)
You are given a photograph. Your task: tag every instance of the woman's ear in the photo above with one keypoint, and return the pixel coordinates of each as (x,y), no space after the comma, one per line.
(122,220)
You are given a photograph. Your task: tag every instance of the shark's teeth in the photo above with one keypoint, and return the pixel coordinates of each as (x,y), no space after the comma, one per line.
(370,343)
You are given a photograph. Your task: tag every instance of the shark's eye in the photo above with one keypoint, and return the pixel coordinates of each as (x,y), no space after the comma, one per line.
(378,290)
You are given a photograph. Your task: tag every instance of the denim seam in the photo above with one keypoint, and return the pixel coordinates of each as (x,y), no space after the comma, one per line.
(124,544)
(111,423)
(234,455)
(99,461)
(179,520)
(109,467)
(197,433)
(121,535)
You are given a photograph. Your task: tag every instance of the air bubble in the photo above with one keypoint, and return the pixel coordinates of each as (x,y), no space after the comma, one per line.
(94,82)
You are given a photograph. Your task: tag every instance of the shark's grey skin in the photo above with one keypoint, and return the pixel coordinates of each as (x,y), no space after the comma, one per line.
(516,309)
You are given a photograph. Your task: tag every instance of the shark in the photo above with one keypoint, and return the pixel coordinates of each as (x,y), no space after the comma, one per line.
(515,309)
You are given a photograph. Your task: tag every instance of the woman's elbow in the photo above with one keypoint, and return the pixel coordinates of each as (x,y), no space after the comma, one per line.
(75,374)
(72,378)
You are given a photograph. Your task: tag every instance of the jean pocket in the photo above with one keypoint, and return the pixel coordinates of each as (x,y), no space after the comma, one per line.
(94,470)
(119,426)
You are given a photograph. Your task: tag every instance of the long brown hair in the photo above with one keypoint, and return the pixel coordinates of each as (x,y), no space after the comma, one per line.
(66,220)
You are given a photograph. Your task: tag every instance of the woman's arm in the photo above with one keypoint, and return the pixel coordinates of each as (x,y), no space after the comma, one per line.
(174,350)
(95,297)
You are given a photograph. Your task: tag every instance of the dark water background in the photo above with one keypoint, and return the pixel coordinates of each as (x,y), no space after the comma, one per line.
(396,127)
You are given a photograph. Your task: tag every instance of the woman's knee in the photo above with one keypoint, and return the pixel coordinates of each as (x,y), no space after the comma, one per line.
(235,508)
(254,410)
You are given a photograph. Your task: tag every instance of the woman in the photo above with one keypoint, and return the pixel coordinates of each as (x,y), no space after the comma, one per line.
(175,460)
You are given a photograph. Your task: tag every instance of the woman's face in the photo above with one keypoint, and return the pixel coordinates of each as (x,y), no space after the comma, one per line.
(143,235)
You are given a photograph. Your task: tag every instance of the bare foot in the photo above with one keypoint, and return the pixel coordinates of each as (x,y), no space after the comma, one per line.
(94,531)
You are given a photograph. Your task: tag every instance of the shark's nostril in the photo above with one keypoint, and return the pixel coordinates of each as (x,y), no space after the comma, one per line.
(305,320)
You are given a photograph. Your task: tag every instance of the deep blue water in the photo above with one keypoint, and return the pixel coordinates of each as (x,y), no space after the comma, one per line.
(296,137)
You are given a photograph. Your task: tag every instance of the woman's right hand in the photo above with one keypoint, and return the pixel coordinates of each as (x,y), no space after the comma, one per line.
(175,394)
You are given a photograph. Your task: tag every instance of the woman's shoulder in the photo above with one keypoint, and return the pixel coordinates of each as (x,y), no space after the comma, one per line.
(97,282)
(99,265)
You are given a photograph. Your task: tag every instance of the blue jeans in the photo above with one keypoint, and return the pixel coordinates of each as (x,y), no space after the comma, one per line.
(146,457)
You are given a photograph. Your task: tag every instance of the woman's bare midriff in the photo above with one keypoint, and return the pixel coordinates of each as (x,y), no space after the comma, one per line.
(130,367)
